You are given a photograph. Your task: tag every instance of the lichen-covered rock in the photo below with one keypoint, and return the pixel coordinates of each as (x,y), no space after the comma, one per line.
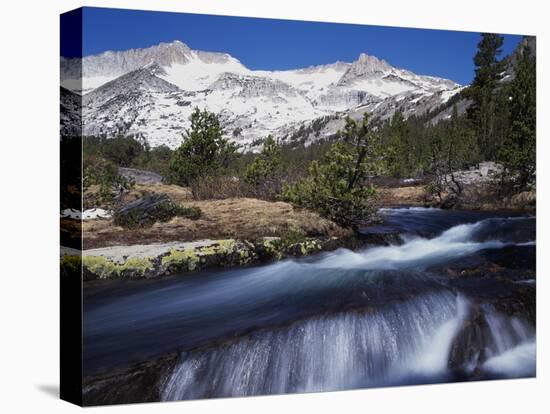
(268,249)
(303,248)
(219,253)
(99,267)
(148,261)
(175,258)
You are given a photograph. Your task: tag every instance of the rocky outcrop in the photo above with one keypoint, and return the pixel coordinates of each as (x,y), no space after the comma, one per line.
(111,63)
(246,86)
(364,66)
(486,172)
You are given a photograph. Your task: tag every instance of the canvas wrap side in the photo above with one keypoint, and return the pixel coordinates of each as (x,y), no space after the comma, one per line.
(71,228)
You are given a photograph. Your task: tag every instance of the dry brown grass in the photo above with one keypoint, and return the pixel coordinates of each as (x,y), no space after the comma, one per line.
(401,196)
(242,218)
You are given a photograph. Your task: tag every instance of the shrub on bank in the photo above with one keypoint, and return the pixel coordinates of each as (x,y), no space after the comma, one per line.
(337,187)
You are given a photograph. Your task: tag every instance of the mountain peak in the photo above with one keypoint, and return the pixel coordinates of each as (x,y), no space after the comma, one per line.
(366,66)
(166,54)
(175,44)
(371,64)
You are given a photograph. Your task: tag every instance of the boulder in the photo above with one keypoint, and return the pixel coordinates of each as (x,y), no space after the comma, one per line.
(140,176)
(471,343)
(449,202)
(146,211)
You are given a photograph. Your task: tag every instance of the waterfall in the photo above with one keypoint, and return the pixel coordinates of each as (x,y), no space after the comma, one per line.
(346,350)
(401,343)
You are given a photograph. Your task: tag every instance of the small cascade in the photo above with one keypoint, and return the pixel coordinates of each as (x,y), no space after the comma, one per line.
(456,242)
(347,350)
(402,343)
(513,351)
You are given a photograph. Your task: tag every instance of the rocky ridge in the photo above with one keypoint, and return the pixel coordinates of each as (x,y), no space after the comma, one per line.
(151,92)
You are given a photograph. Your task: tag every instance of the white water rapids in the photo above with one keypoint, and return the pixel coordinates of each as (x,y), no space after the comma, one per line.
(401,342)
(417,251)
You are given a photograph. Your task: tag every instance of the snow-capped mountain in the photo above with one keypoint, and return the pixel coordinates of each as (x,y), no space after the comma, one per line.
(151,93)
(378,78)
(186,68)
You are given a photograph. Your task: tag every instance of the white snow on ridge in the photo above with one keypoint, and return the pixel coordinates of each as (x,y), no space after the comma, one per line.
(448,94)
(313,82)
(382,89)
(152,92)
(197,75)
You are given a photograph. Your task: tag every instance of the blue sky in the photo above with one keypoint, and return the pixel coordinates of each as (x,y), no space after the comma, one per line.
(284,44)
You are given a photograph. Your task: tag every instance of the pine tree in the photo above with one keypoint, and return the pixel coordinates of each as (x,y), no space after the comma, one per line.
(488,67)
(401,150)
(519,152)
(484,107)
(204,150)
(264,172)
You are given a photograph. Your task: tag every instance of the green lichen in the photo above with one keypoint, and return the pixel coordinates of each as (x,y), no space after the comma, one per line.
(137,265)
(219,247)
(104,268)
(181,259)
(100,267)
(274,248)
(247,253)
(226,252)
(310,246)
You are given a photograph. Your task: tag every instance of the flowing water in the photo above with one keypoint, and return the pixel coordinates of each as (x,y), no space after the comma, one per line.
(386,315)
